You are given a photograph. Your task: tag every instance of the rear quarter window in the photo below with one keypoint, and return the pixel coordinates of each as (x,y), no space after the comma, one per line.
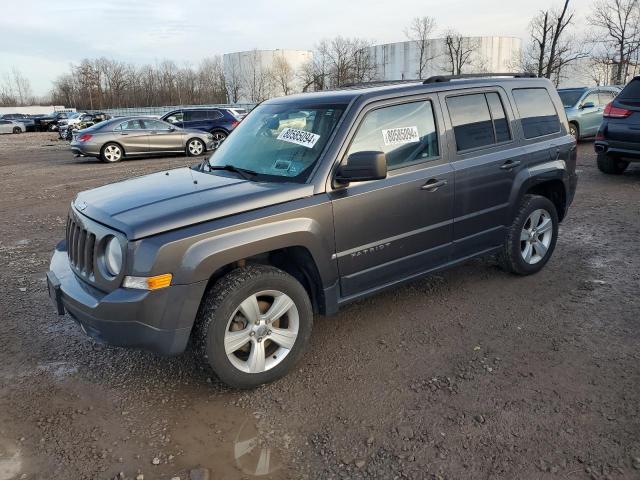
(538,116)
(631,93)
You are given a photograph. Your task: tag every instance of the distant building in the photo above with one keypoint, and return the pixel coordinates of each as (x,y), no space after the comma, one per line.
(255,75)
(400,61)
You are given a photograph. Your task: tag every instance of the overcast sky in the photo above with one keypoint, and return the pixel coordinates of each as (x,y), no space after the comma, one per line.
(42,37)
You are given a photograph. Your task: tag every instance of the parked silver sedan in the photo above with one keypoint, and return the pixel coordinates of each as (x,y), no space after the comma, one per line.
(118,138)
(11,126)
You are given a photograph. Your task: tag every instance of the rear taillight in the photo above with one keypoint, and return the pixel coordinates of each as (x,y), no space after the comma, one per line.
(615,112)
(234,124)
(85,137)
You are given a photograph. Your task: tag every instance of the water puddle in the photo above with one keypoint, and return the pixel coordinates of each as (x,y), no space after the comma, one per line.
(229,442)
(10,461)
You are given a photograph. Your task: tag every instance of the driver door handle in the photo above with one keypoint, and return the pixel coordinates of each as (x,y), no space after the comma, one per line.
(510,164)
(433,184)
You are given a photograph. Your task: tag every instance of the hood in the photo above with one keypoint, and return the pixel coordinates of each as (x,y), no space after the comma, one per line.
(152,204)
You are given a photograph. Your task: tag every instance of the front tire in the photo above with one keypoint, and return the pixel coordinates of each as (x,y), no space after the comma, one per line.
(111,153)
(532,236)
(17,130)
(195,147)
(575,131)
(254,325)
(611,165)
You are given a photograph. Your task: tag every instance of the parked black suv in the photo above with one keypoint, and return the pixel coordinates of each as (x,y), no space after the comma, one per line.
(314,201)
(618,138)
(220,122)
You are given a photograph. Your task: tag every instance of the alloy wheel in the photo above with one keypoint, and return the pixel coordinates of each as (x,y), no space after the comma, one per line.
(262,331)
(536,236)
(112,153)
(195,147)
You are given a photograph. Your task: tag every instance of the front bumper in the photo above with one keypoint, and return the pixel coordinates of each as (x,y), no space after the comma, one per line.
(159,321)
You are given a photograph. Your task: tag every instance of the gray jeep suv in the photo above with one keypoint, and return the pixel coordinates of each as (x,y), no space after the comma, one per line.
(316,200)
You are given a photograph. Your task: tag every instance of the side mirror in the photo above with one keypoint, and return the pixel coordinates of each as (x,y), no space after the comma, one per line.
(363,166)
(172,129)
(587,105)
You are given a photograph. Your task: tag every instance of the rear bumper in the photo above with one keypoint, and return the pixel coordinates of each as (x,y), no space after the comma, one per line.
(159,321)
(81,149)
(627,150)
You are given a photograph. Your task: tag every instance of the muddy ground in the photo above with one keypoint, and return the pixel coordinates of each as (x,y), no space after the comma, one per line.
(472,373)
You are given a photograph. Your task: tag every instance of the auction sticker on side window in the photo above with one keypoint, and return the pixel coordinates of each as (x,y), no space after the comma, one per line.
(398,136)
(299,137)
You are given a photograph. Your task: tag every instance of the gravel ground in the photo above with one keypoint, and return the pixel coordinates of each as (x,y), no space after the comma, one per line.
(472,373)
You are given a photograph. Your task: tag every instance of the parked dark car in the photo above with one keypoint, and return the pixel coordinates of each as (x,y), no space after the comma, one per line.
(314,201)
(220,122)
(45,123)
(28,122)
(618,138)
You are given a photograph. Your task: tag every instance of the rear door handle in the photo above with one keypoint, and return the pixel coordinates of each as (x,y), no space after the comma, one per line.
(433,184)
(510,164)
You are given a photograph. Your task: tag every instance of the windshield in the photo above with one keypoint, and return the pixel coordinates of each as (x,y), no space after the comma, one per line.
(570,97)
(280,143)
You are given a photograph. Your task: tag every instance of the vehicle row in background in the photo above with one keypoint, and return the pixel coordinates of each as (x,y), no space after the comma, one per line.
(114,139)
(584,108)
(79,121)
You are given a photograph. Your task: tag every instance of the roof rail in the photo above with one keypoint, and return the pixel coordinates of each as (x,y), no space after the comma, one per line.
(378,83)
(446,78)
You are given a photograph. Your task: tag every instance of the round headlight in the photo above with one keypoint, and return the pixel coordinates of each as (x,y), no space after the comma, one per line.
(113,256)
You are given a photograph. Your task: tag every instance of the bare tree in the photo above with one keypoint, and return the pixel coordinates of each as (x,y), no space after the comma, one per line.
(619,24)
(552,47)
(459,51)
(15,89)
(419,31)
(256,78)
(282,73)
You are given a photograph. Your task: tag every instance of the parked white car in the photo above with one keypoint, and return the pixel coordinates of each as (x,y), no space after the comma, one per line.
(11,126)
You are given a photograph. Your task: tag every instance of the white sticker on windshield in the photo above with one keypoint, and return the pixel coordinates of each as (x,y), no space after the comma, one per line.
(399,136)
(299,137)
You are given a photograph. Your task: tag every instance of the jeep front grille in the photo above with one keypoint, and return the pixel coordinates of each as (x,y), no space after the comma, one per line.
(81,246)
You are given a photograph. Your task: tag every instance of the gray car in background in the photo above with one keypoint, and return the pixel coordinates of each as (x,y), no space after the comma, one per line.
(123,137)
(11,126)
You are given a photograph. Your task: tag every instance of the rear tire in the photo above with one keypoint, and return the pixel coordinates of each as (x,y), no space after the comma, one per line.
(235,335)
(111,153)
(195,147)
(17,130)
(532,236)
(611,165)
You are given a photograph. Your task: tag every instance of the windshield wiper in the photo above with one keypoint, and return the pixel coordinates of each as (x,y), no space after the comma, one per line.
(243,172)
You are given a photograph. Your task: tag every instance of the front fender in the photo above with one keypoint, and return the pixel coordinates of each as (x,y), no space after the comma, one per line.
(206,256)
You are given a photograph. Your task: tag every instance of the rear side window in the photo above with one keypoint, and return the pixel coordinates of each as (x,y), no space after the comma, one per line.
(478,120)
(195,115)
(631,93)
(131,125)
(406,133)
(214,115)
(537,113)
(606,97)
